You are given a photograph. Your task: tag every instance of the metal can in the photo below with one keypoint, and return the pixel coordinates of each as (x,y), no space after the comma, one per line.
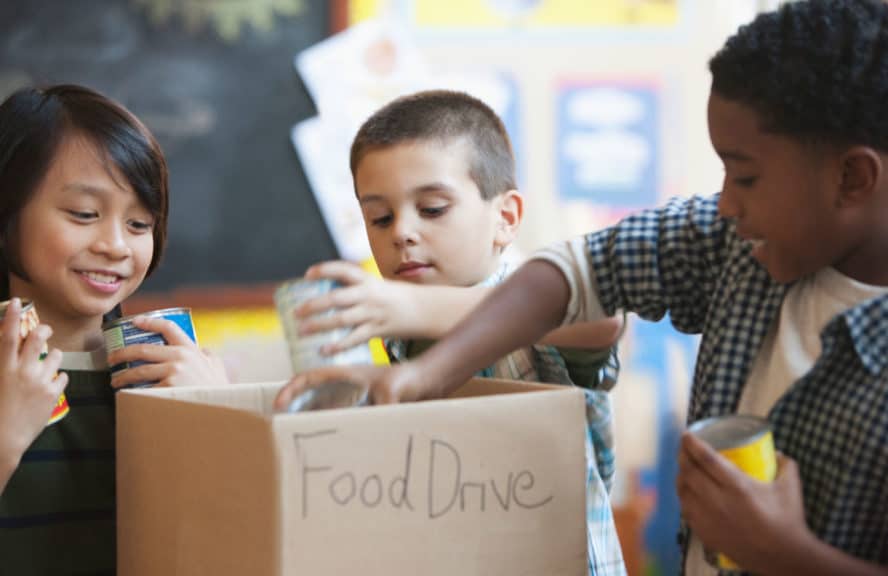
(305,350)
(329,396)
(747,441)
(29,321)
(121,332)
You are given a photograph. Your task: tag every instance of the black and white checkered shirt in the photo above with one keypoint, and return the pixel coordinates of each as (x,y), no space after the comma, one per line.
(685,259)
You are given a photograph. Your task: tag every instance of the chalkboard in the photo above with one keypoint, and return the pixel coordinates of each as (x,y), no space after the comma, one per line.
(215,83)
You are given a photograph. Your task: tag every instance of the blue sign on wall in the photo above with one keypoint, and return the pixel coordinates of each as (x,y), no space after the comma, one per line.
(607,144)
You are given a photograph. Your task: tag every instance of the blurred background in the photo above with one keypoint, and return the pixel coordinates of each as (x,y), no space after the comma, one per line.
(255,103)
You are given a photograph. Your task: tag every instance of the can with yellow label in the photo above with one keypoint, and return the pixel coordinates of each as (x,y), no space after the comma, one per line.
(29,321)
(747,441)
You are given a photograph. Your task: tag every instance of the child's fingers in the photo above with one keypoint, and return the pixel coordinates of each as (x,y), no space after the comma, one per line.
(50,365)
(145,353)
(60,380)
(142,374)
(317,305)
(787,469)
(718,468)
(171,332)
(9,332)
(339,298)
(344,318)
(359,335)
(310,379)
(35,344)
(339,270)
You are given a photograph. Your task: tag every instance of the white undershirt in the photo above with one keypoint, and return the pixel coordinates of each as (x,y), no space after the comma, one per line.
(92,360)
(788,352)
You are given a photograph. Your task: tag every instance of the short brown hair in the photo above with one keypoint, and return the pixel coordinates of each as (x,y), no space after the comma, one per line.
(443,116)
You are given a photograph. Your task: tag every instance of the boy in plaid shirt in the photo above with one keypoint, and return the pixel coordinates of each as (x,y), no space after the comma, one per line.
(435,177)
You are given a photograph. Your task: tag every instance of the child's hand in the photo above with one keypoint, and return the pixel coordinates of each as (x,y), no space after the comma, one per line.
(179,363)
(369,305)
(753,523)
(29,386)
(386,384)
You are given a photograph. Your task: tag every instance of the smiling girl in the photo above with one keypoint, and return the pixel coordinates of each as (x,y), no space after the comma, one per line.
(83,214)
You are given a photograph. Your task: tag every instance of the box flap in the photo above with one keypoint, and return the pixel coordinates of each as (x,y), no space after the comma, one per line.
(192,477)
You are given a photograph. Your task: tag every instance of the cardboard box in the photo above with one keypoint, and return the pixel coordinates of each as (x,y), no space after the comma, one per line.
(488,482)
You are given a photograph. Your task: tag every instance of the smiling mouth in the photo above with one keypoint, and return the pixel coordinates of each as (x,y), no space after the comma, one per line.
(102,278)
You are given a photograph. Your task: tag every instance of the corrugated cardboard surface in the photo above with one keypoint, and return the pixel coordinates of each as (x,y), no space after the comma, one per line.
(491,482)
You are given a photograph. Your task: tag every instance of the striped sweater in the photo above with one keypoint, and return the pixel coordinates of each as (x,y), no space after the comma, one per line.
(57,512)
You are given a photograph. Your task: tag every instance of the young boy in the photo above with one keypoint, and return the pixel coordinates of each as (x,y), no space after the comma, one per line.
(434,174)
(785,275)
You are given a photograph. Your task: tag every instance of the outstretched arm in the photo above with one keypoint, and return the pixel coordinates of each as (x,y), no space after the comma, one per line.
(517,313)
(529,304)
(374,307)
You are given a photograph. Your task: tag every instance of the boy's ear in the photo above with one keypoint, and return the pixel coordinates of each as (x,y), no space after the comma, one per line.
(862,171)
(510,210)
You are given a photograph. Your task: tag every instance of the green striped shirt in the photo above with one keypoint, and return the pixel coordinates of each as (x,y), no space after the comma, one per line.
(57,513)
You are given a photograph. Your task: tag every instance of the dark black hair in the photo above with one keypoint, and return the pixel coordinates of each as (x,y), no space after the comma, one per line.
(815,70)
(33,123)
(444,116)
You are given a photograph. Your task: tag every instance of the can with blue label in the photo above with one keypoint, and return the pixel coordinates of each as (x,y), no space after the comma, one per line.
(305,349)
(121,333)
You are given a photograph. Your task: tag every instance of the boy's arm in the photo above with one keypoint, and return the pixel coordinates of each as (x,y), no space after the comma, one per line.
(597,335)
(760,526)
(664,260)
(374,307)
(528,305)
(658,260)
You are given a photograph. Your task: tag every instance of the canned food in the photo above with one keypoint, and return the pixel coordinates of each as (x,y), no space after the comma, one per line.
(747,441)
(121,332)
(328,396)
(305,350)
(29,321)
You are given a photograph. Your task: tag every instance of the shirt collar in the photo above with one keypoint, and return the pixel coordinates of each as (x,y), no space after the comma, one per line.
(868,326)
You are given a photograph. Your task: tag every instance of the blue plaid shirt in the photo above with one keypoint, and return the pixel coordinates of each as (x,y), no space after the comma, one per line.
(685,259)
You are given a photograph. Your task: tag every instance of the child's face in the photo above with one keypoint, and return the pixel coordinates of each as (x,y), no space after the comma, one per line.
(781,194)
(425,218)
(85,239)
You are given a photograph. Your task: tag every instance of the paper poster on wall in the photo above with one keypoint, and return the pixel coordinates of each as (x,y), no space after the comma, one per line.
(351,75)
(529,15)
(543,14)
(607,143)
(323,152)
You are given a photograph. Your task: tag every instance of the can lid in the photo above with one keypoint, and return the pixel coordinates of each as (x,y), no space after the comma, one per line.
(338,394)
(162,313)
(301,289)
(26,305)
(730,431)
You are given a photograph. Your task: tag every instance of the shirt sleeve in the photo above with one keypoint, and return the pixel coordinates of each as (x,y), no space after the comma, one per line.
(657,261)
(571,259)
